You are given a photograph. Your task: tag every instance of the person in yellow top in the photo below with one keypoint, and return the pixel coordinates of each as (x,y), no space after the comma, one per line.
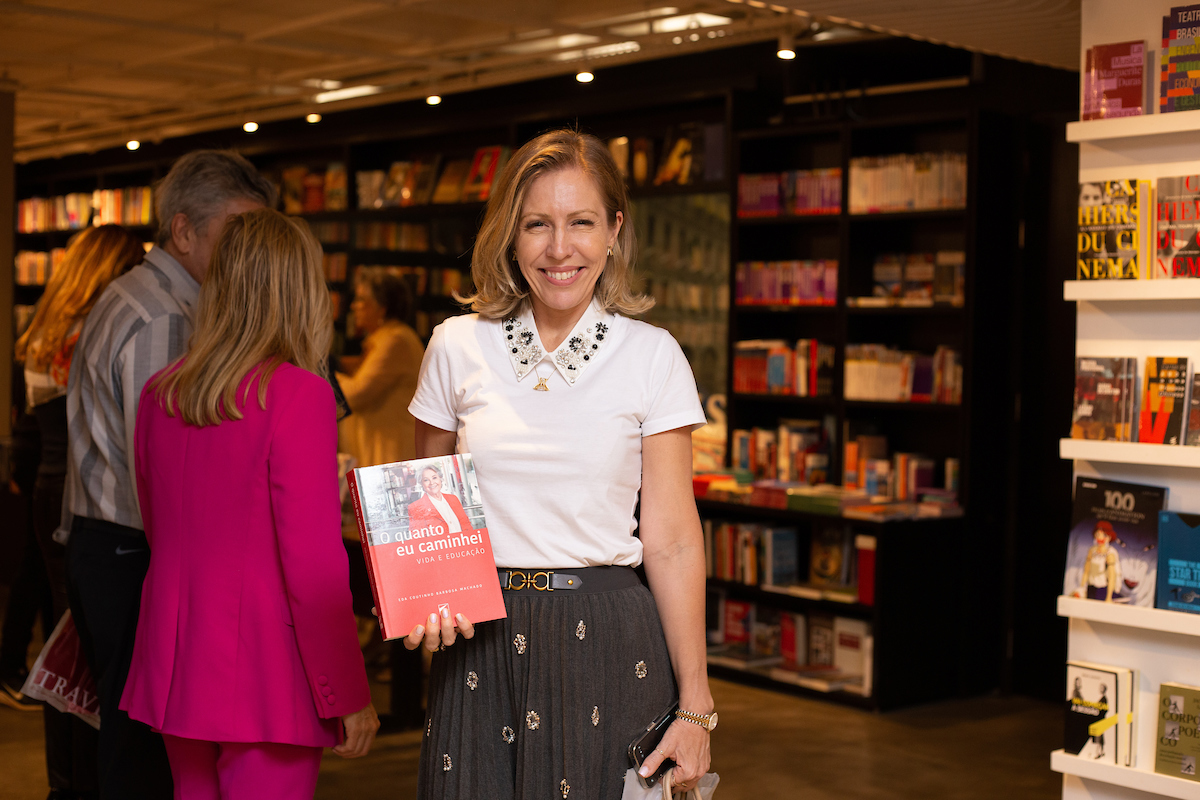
(1101,570)
(380,384)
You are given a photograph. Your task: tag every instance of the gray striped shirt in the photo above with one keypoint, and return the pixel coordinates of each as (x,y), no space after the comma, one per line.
(140,324)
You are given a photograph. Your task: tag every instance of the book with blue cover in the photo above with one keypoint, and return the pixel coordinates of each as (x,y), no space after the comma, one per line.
(1179,562)
(1112,551)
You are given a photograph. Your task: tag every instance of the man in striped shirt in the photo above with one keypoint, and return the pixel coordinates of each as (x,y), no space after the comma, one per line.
(140,324)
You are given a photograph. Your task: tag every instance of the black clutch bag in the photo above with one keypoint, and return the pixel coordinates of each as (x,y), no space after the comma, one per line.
(647,741)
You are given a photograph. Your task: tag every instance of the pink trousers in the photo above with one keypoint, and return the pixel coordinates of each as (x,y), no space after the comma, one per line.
(242,771)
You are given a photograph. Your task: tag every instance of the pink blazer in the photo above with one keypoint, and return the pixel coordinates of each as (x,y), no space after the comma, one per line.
(421,512)
(246,631)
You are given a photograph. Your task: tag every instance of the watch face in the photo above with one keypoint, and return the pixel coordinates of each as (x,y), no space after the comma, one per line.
(712,721)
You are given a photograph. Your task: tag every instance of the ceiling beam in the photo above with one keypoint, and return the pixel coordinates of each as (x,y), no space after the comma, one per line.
(116,21)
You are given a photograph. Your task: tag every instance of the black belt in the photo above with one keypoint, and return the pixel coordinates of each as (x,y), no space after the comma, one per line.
(79,523)
(581,579)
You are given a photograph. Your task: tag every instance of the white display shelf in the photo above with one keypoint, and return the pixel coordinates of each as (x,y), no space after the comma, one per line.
(1141,780)
(1111,290)
(1159,455)
(1128,127)
(1151,619)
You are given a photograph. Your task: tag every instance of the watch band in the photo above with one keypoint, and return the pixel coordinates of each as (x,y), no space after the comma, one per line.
(703,720)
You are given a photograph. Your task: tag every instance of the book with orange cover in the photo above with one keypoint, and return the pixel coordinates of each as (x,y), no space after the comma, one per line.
(425,541)
(485,167)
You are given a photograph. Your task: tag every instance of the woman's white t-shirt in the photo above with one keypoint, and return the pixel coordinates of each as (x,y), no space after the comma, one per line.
(560,470)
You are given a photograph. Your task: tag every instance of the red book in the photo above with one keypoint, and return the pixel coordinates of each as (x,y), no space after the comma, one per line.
(425,542)
(1114,81)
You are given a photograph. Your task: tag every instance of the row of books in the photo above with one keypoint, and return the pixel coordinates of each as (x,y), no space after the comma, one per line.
(902,476)
(821,652)
(330,231)
(689,154)
(682,295)
(1118,238)
(772,366)
(881,373)
(916,280)
(129,206)
(796,451)
(1107,404)
(908,182)
(788,283)
(335,266)
(1115,81)
(1102,715)
(309,191)
(761,555)
(428,281)
(1125,547)
(426,180)
(803,192)
(405,236)
(34,268)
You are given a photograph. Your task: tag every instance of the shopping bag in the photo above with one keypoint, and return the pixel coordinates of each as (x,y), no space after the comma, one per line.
(61,677)
(663,791)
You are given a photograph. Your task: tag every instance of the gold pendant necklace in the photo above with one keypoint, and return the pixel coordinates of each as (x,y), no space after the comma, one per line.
(541,384)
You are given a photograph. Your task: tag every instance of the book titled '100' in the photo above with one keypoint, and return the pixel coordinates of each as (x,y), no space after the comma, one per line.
(425,541)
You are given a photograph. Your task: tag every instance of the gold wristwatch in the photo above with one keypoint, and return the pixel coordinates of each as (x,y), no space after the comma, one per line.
(706,721)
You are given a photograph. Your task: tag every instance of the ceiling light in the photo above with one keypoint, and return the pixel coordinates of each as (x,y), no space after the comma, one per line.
(133,144)
(347,93)
(677,40)
(787,47)
(585,76)
(693,37)
(250,127)
(324,85)
(433,99)
(313,118)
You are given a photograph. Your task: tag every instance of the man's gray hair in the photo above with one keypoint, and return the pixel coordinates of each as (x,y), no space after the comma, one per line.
(203,181)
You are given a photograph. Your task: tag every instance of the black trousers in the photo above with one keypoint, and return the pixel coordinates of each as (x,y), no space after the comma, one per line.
(29,599)
(70,742)
(106,566)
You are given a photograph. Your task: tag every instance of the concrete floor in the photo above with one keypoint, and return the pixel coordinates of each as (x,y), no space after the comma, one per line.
(768,745)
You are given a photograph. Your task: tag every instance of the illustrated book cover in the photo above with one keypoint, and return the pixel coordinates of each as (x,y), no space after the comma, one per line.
(425,541)
(1116,230)
(1164,391)
(1113,79)
(1177,222)
(1178,75)
(1178,741)
(1099,711)
(1112,550)
(1104,396)
(1179,562)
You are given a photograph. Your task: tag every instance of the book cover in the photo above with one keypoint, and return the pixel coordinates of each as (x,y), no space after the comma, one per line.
(1102,397)
(1192,435)
(293,189)
(314,192)
(335,187)
(676,163)
(1178,73)
(820,640)
(395,183)
(1164,389)
(1113,234)
(1177,201)
(850,645)
(1178,562)
(419,181)
(1097,697)
(949,277)
(369,186)
(425,541)
(793,639)
(1112,548)
(450,184)
(888,275)
(832,559)
(1113,79)
(485,167)
(642,167)
(1178,741)
(779,560)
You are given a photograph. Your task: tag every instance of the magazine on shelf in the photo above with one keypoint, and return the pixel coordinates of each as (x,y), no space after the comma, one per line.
(1112,550)
(1164,392)
(1113,80)
(425,541)
(1179,562)
(1105,398)
(1178,741)
(1099,713)
(1177,251)
(1116,230)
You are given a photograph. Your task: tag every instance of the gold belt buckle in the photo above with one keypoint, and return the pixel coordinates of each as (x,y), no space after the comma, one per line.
(529,581)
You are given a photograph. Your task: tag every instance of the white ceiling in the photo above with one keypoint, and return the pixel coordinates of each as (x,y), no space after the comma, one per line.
(92,74)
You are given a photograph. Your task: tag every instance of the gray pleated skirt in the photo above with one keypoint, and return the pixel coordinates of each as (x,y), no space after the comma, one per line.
(544,704)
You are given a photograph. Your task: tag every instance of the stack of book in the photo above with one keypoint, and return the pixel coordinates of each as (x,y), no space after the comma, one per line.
(792,193)
(878,372)
(787,283)
(908,182)
(771,366)
(915,280)
(35,268)
(402,236)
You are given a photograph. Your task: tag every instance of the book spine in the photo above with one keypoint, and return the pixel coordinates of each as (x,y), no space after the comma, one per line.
(368,556)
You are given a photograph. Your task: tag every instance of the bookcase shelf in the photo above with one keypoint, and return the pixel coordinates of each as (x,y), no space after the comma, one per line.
(1160,455)
(925,213)
(1117,291)
(1151,619)
(791,602)
(757,676)
(1133,127)
(1142,780)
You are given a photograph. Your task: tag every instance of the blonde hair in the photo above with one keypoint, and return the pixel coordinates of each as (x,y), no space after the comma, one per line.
(94,257)
(263,303)
(500,288)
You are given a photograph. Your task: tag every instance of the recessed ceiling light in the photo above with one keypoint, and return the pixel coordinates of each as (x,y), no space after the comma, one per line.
(585,76)
(133,144)
(677,40)
(787,47)
(347,93)
(313,118)
(250,127)
(433,99)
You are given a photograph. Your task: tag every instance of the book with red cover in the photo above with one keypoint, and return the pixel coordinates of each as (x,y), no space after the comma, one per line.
(1114,80)
(425,541)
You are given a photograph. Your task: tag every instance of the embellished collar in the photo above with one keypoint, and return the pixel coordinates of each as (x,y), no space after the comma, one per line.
(583,344)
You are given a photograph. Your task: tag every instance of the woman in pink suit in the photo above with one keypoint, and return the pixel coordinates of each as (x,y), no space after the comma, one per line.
(247,657)
(435,507)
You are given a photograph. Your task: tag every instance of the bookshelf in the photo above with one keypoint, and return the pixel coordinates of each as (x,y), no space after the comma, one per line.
(1161,455)
(1134,127)
(1150,619)
(1126,291)
(1146,784)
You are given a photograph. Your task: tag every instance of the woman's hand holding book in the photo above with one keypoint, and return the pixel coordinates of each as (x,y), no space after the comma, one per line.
(439,634)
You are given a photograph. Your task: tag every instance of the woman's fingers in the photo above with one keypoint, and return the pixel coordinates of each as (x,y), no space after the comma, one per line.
(465,627)
(687,745)
(652,762)
(433,634)
(448,634)
(413,640)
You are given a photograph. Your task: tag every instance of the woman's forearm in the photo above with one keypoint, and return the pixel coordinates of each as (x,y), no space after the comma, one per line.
(676,576)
